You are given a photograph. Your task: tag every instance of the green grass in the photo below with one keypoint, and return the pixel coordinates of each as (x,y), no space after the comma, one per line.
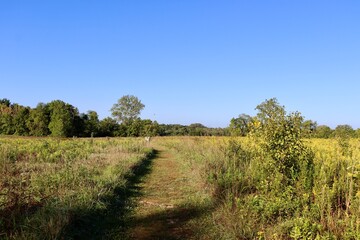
(176,188)
(49,186)
(253,198)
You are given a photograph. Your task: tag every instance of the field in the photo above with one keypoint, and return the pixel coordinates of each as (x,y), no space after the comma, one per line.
(179,188)
(62,188)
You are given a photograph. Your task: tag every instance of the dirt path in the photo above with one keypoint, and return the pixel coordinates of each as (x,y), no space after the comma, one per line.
(167,208)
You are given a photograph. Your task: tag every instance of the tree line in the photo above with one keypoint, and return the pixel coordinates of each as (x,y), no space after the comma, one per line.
(60,119)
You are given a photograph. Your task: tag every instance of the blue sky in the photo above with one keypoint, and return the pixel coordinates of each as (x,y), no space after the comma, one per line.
(188,61)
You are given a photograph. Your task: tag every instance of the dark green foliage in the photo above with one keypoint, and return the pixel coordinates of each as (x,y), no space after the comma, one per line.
(173,130)
(13,118)
(38,120)
(6,120)
(308,128)
(134,128)
(191,130)
(149,128)
(197,129)
(20,117)
(6,102)
(108,127)
(91,124)
(62,116)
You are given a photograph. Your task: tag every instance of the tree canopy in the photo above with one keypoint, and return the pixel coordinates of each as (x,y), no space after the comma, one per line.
(127,109)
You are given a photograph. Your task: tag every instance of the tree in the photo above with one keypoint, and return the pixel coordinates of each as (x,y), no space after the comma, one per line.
(38,121)
(13,118)
(281,135)
(270,110)
(20,117)
(308,128)
(134,128)
(149,128)
(344,131)
(127,109)
(62,116)
(108,127)
(91,122)
(197,129)
(323,131)
(240,126)
(6,119)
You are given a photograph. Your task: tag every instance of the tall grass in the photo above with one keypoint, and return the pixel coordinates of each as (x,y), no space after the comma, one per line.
(44,181)
(255,200)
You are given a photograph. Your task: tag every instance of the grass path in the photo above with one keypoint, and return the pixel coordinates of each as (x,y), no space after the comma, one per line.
(170,204)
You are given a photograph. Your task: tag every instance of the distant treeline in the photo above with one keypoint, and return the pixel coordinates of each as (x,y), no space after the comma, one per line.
(61,119)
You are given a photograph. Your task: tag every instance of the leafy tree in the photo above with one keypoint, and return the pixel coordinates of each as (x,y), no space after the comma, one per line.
(38,120)
(344,131)
(108,127)
(13,118)
(240,126)
(197,129)
(270,111)
(62,116)
(149,128)
(127,109)
(134,129)
(20,116)
(323,131)
(91,123)
(6,119)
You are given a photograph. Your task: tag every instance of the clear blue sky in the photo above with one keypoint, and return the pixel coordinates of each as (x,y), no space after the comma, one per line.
(187,60)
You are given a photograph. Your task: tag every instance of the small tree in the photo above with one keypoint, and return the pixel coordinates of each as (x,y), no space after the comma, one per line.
(281,133)
(127,109)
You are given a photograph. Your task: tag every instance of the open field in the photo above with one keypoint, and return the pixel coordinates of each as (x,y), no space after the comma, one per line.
(177,188)
(253,199)
(63,188)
